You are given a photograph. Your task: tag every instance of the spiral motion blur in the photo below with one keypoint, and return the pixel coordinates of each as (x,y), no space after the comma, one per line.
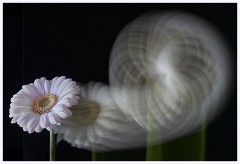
(170,72)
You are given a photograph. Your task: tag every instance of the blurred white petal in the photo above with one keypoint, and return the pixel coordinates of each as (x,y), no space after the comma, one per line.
(97,122)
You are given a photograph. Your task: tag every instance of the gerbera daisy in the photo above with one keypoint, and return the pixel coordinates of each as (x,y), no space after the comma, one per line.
(43,103)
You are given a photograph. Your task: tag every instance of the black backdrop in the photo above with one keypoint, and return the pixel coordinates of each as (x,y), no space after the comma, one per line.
(75,40)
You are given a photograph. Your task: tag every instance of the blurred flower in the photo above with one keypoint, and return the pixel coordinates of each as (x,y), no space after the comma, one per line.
(171,69)
(97,122)
(43,103)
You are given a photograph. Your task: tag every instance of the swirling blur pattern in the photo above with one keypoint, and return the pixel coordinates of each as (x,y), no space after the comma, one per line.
(170,72)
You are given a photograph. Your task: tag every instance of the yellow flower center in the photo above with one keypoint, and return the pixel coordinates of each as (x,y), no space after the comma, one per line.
(44,103)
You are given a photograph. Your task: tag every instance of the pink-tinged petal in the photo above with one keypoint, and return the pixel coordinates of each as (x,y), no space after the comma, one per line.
(19,104)
(24,129)
(72,91)
(52,89)
(53,119)
(15,111)
(30,131)
(24,119)
(29,125)
(38,128)
(36,125)
(15,119)
(43,79)
(76,97)
(56,117)
(65,114)
(47,86)
(21,101)
(69,94)
(39,84)
(22,97)
(44,121)
(56,84)
(62,112)
(31,91)
(74,101)
(72,84)
(32,124)
(63,85)
(47,123)
(59,108)
(49,128)
(65,101)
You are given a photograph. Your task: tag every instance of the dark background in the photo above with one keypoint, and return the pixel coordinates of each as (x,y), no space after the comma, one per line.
(75,40)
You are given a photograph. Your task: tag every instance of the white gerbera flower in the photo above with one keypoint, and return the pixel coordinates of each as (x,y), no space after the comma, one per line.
(97,122)
(43,103)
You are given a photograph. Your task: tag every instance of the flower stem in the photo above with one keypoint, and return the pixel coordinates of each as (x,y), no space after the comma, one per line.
(203,138)
(52,146)
(94,154)
(153,152)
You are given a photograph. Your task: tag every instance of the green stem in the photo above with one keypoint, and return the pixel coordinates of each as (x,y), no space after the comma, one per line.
(97,156)
(203,138)
(52,146)
(94,154)
(153,152)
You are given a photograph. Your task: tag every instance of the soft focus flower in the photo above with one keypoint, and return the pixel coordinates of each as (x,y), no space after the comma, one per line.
(97,122)
(171,71)
(43,103)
